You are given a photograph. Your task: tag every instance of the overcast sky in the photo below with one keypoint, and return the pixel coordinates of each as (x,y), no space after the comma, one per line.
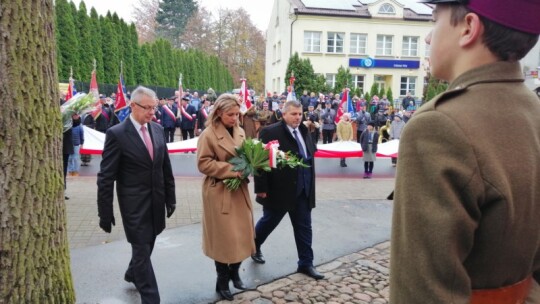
(259,10)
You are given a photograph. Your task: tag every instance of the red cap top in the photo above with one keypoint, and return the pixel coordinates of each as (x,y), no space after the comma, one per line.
(521,15)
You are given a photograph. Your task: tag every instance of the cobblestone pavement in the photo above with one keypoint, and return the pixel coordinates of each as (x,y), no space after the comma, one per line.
(358,278)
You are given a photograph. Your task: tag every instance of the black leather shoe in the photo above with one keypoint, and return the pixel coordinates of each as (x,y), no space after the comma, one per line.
(258,257)
(311,272)
(128,278)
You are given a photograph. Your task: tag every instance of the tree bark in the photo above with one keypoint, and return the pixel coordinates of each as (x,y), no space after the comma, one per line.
(34,252)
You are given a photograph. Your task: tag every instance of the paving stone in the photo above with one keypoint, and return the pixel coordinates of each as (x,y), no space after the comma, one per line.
(329,266)
(275,285)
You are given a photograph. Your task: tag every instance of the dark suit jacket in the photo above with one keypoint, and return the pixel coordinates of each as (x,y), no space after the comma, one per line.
(143,186)
(280,184)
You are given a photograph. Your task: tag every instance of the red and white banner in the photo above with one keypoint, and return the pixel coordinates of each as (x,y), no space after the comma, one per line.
(95,93)
(346,149)
(244,97)
(94,142)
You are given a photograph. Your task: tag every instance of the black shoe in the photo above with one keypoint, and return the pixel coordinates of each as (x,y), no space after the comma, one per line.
(66,197)
(222,283)
(128,278)
(258,257)
(311,272)
(235,276)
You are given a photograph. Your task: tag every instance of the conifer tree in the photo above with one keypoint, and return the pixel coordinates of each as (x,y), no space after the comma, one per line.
(374,90)
(67,39)
(86,56)
(172,18)
(136,57)
(111,51)
(97,51)
(390,96)
(343,79)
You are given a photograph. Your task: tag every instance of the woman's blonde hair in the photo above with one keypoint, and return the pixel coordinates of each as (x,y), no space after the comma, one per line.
(224,103)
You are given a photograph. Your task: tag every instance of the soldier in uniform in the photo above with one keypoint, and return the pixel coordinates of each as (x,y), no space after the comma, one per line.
(278,114)
(467,198)
(311,121)
(264,116)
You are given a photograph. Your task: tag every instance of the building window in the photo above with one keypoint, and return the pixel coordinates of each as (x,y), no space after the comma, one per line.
(387,9)
(274,53)
(331,80)
(358,82)
(384,45)
(428,50)
(408,84)
(279,51)
(410,46)
(358,43)
(312,42)
(335,42)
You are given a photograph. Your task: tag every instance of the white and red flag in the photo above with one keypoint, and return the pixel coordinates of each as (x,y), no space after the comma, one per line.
(94,91)
(244,97)
(180,93)
(344,99)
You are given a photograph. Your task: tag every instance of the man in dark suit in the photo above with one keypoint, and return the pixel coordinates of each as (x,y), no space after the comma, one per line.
(286,190)
(169,112)
(188,114)
(135,156)
(203,115)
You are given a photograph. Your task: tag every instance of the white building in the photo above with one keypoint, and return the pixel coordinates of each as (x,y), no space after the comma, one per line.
(378,40)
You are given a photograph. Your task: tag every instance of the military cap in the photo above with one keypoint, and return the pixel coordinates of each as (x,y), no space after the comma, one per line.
(520,15)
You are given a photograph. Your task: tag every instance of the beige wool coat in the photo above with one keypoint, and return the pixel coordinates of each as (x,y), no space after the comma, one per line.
(228,229)
(467,198)
(344,131)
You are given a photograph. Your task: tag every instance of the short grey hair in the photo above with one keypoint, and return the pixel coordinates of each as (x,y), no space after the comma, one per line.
(291,103)
(137,94)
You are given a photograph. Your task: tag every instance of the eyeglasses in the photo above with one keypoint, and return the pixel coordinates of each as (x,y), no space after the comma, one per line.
(146,108)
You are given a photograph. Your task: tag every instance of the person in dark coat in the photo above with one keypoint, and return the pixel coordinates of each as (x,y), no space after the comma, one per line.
(67,149)
(135,156)
(369,140)
(188,115)
(287,190)
(169,112)
(103,121)
(203,115)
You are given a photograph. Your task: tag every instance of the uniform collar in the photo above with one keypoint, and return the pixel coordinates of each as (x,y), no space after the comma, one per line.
(501,71)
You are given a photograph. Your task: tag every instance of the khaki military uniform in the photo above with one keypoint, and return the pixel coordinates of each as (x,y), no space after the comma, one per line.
(467,199)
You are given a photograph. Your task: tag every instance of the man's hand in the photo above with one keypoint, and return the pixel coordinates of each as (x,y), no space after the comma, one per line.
(106,225)
(170,210)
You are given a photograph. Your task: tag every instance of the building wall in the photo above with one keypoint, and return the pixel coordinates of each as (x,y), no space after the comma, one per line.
(328,63)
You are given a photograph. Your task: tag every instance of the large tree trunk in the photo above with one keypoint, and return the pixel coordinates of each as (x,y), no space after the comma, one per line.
(34,253)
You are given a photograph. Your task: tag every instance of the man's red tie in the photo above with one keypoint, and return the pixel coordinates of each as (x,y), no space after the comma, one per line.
(148,142)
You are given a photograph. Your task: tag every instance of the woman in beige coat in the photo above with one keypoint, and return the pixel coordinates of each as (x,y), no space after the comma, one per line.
(228,230)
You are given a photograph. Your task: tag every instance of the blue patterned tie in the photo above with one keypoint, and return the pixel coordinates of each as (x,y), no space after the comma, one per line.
(299,143)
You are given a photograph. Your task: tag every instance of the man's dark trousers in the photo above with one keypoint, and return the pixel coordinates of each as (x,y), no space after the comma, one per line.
(140,270)
(169,134)
(301,221)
